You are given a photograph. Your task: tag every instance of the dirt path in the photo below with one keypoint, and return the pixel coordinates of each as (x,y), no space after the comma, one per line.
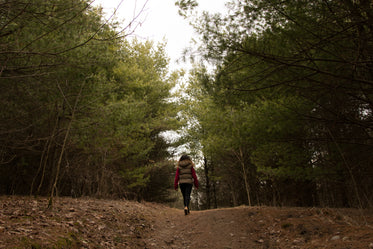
(201,229)
(90,223)
(261,227)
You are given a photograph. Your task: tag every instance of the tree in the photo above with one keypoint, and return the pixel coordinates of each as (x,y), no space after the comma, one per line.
(84,108)
(298,73)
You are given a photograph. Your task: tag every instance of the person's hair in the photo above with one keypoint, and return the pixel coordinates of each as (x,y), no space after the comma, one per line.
(184,157)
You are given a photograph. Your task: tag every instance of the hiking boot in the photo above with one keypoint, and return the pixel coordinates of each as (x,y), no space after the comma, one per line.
(186,210)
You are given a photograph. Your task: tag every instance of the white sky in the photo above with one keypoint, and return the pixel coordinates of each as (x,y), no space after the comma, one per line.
(160,21)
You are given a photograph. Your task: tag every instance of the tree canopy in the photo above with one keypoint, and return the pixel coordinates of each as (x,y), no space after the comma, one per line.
(83,107)
(278,109)
(285,117)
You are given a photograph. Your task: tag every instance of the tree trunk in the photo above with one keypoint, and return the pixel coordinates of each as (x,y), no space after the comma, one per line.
(54,187)
(214,188)
(233,192)
(44,157)
(206,170)
(243,166)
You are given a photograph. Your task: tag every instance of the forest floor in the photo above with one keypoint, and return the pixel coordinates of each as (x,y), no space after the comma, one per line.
(25,222)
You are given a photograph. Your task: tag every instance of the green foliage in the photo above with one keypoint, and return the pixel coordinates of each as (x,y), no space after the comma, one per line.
(288,103)
(185,6)
(136,177)
(55,53)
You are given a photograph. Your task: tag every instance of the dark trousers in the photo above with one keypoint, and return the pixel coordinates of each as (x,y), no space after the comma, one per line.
(186,190)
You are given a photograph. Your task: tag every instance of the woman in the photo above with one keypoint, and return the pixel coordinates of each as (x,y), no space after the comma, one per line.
(186,176)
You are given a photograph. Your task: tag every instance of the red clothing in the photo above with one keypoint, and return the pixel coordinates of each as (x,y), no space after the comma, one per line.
(193,175)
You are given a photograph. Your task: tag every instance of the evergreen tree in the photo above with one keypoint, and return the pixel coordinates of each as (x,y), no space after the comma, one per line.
(293,91)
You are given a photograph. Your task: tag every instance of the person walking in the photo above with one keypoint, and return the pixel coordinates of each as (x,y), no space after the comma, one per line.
(185,177)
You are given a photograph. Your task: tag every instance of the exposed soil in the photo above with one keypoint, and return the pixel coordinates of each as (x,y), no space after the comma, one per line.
(26,222)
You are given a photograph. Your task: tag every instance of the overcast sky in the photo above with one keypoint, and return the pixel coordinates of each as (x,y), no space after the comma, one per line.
(159,20)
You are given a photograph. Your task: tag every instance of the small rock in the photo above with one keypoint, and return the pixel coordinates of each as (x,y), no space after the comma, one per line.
(273,232)
(297,241)
(371,245)
(337,237)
